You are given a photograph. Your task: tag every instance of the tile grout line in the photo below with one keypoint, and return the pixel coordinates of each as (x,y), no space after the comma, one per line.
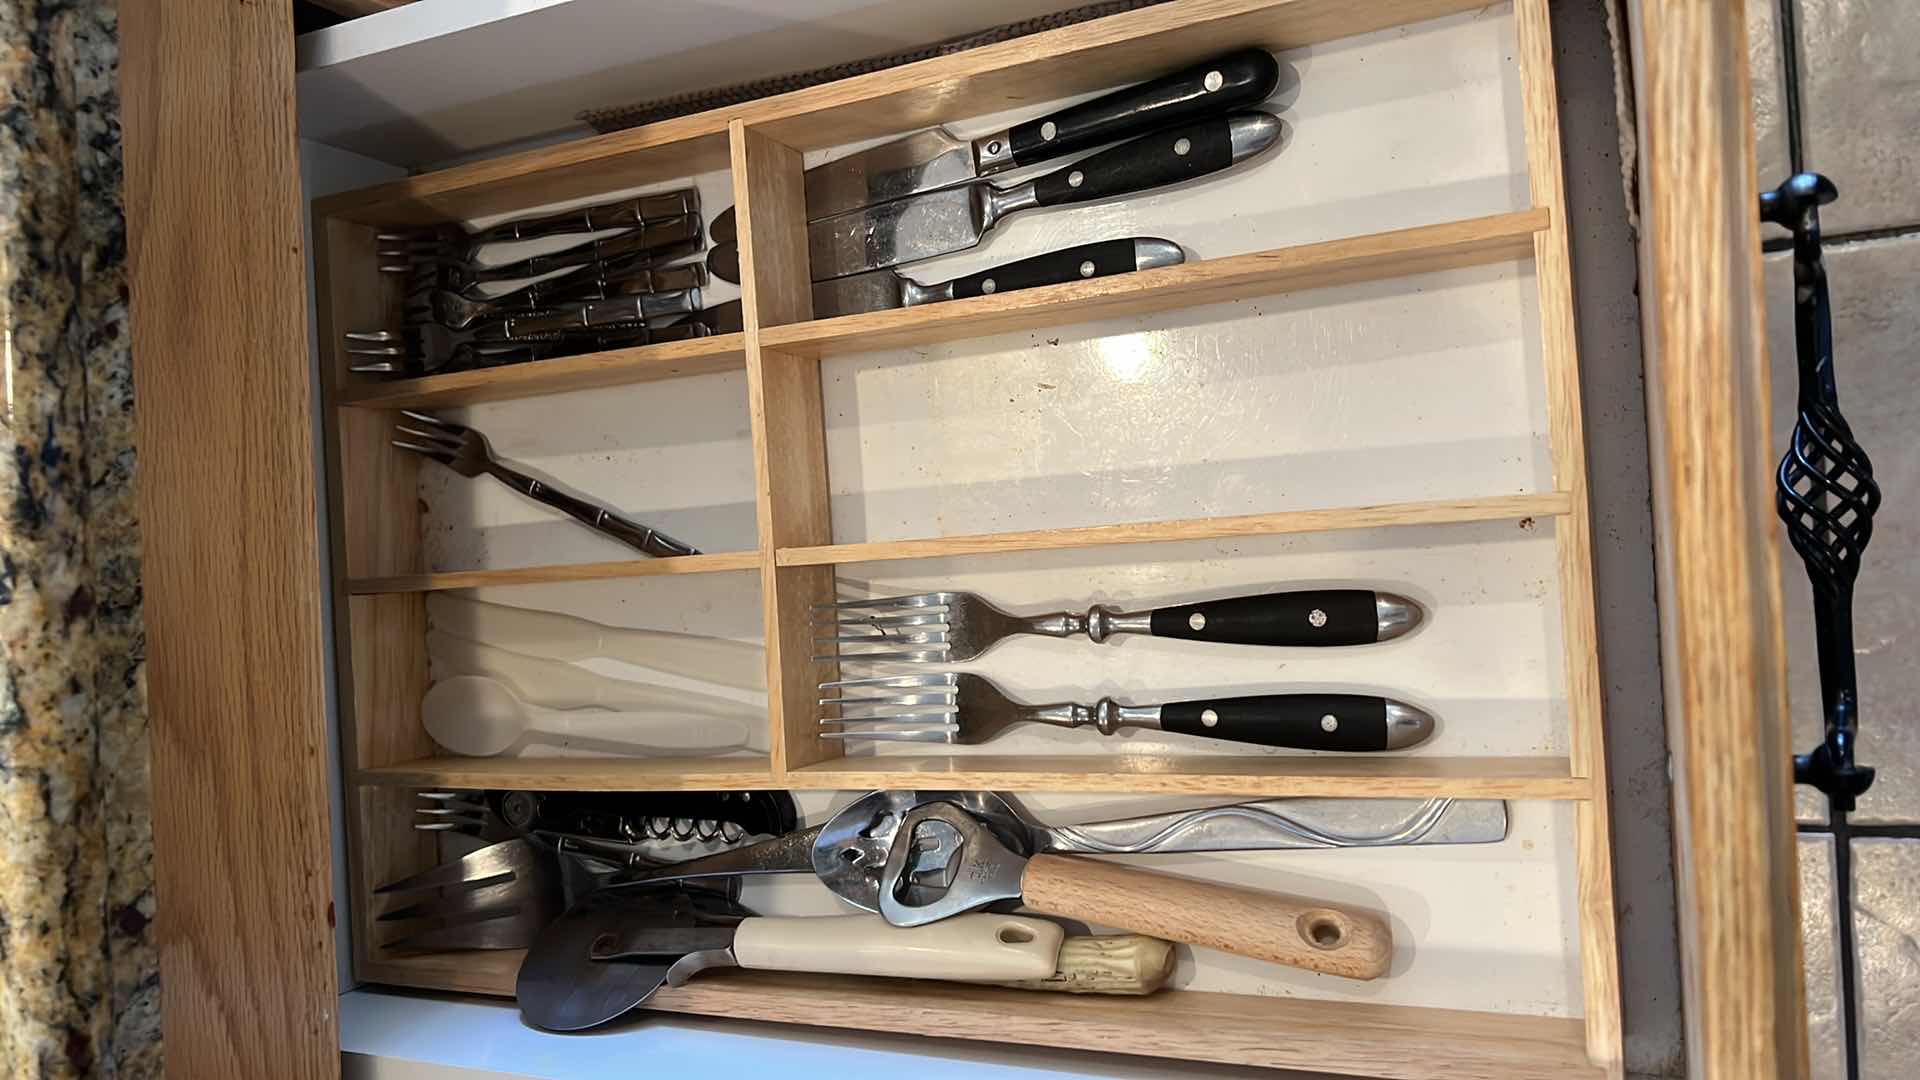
(1846,239)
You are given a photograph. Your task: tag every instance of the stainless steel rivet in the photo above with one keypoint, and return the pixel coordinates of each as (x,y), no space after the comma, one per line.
(988,285)
(1048,131)
(1213,81)
(1316,618)
(1329,722)
(994,147)
(1076,178)
(1208,717)
(1181,146)
(1086,268)
(1197,621)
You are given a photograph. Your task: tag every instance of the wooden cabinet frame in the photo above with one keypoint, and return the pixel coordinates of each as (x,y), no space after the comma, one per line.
(228,482)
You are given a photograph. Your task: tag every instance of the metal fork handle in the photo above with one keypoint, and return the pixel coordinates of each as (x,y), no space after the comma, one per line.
(626,214)
(622,311)
(1106,714)
(594,516)
(649,237)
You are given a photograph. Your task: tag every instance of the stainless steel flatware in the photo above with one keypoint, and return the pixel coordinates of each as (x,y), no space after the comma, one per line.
(952,627)
(457,311)
(498,897)
(613,829)
(459,274)
(934,159)
(611,953)
(457,243)
(954,219)
(965,709)
(848,851)
(877,290)
(390,352)
(577,285)
(465,451)
(944,861)
(433,339)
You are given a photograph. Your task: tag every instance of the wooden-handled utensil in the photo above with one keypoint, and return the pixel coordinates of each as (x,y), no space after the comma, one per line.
(944,861)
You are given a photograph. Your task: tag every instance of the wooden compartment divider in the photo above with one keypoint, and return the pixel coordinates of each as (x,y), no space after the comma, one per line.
(379,581)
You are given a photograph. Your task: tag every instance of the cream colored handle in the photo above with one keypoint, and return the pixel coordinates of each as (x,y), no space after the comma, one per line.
(558,685)
(1329,938)
(1106,964)
(556,636)
(977,948)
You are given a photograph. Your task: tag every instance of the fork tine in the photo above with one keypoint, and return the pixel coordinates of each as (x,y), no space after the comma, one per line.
(924,637)
(936,698)
(939,734)
(917,717)
(440,456)
(376,350)
(928,657)
(931,599)
(942,678)
(932,619)
(382,367)
(371,335)
(436,438)
(428,418)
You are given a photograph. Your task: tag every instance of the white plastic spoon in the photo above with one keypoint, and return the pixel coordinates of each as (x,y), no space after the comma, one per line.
(555,636)
(480,717)
(557,685)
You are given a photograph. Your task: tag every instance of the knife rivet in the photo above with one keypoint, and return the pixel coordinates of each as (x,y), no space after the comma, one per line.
(1086,268)
(1329,722)
(1076,178)
(988,285)
(1048,131)
(1213,81)
(1181,146)
(1197,621)
(994,147)
(1316,618)
(1208,717)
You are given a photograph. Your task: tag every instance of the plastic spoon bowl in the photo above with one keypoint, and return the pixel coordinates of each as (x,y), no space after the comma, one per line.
(475,716)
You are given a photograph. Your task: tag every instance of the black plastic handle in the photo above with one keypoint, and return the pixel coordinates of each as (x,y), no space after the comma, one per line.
(625,214)
(647,238)
(1355,722)
(1237,80)
(1166,157)
(1304,617)
(592,515)
(1067,264)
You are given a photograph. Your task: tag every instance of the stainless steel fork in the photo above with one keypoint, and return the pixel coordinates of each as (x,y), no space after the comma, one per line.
(465,451)
(498,897)
(624,214)
(940,627)
(965,709)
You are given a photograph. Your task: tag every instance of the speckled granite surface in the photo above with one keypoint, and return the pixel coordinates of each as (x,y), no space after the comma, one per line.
(79,990)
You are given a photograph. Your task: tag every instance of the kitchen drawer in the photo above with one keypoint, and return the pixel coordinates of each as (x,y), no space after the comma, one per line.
(1365,372)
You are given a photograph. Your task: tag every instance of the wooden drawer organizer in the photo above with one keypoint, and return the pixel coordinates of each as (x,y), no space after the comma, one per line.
(380,589)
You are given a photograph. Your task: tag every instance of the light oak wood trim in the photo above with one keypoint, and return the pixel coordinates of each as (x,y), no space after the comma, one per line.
(1094,55)
(232,574)
(745,773)
(1443,512)
(592,371)
(1573,537)
(1348,261)
(1294,931)
(1359,777)
(1392,1042)
(789,435)
(718,563)
(1722,644)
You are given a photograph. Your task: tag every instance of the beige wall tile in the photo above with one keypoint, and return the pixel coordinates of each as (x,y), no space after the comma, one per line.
(1817,935)
(1860,98)
(1875,288)
(1886,926)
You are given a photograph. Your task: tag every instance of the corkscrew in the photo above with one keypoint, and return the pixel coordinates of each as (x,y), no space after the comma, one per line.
(1825,493)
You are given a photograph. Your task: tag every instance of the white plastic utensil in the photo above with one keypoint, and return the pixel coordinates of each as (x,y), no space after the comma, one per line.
(566,637)
(476,716)
(558,685)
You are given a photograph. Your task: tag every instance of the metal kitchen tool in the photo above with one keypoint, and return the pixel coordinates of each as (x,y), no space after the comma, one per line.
(611,953)
(458,312)
(934,159)
(954,219)
(465,451)
(965,709)
(434,339)
(848,851)
(554,636)
(416,354)
(498,897)
(558,288)
(951,627)
(1826,494)
(457,273)
(475,716)
(621,828)
(878,290)
(457,243)
(944,861)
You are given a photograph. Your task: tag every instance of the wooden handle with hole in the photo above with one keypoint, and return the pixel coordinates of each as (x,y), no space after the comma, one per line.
(1329,938)
(1106,964)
